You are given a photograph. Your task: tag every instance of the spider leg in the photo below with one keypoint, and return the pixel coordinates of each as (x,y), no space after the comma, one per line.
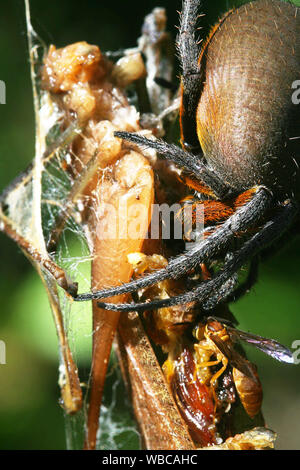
(191,80)
(268,233)
(244,217)
(188,162)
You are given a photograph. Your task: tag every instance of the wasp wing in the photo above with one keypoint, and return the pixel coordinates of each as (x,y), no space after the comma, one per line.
(268,346)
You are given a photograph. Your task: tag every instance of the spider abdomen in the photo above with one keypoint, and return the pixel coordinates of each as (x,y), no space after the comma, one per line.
(246,119)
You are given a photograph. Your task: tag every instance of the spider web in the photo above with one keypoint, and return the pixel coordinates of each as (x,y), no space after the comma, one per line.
(30,209)
(43,206)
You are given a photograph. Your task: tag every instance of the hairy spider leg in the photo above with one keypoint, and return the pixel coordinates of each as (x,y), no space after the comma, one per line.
(191,164)
(243,218)
(199,176)
(265,236)
(216,212)
(191,79)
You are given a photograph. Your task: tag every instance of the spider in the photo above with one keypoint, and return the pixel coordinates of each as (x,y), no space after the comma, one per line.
(238,127)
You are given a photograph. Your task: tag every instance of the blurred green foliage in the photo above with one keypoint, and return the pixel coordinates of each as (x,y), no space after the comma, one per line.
(29,414)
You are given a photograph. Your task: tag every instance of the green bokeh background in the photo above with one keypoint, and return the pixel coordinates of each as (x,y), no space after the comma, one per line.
(30,417)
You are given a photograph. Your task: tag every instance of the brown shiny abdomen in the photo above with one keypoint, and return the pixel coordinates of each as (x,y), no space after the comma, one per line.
(245,117)
(250,392)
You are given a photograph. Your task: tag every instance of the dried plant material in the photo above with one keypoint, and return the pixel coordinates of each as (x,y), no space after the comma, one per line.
(130,187)
(160,423)
(22,219)
(157,46)
(89,88)
(256,439)
(70,66)
(128,69)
